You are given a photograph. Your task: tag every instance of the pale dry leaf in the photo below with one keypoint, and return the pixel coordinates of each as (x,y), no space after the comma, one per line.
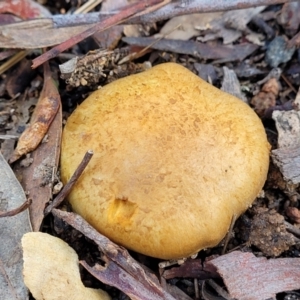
(51,270)
(231,25)
(187,26)
(11,231)
(232,85)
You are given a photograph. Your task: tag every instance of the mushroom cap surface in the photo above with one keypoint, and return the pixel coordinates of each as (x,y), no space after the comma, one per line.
(174,159)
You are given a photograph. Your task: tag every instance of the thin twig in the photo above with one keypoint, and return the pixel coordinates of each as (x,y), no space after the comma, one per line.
(67,188)
(17,210)
(219,290)
(173,9)
(228,236)
(128,11)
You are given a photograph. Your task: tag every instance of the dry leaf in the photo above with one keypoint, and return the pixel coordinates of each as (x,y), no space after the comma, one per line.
(187,26)
(255,278)
(109,38)
(51,270)
(232,85)
(204,51)
(230,25)
(38,178)
(44,113)
(11,231)
(25,9)
(118,261)
(293,213)
(266,98)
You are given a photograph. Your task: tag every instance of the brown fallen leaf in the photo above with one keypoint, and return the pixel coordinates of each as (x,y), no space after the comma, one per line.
(109,38)
(51,270)
(191,268)
(204,51)
(44,113)
(38,178)
(255,278)
(293,213)
(118,262)
(266,98)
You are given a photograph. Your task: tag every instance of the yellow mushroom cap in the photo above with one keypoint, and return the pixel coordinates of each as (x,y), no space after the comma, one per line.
(174,159)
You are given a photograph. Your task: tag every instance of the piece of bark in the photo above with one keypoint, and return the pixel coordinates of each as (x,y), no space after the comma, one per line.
(287,156)
(120,259)
(196,49)
(255,278)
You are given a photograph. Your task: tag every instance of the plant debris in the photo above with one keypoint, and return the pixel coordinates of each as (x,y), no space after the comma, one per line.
(256,278)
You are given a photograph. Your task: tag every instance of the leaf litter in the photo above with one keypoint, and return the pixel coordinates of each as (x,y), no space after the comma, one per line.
(11,231)
(241,64)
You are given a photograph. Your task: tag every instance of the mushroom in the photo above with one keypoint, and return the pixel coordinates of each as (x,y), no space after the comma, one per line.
(175,159)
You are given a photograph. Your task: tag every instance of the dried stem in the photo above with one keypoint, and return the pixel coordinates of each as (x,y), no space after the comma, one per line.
(17,210)
(67,188)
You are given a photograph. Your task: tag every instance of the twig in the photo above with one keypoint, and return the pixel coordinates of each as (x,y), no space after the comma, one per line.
(17,210)
(173,9)
(292,229)
(13,60)
(228,236)
(67,188)
(99,27)
(219,290)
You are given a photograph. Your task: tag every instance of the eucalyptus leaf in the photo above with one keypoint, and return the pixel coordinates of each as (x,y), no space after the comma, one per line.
(11,231)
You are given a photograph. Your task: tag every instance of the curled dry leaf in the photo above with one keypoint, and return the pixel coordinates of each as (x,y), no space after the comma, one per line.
(256,278)
(51,270)
(39,177)
(44,113)
(294,214)
(266,98)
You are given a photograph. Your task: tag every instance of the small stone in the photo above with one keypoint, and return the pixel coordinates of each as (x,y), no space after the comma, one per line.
(277,52)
